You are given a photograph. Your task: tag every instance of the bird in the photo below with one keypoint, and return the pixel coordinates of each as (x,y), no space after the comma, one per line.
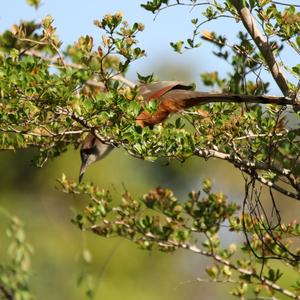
(172,97)
(91,151)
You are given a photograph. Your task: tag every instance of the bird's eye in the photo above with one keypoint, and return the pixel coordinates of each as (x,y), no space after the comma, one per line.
(85,152)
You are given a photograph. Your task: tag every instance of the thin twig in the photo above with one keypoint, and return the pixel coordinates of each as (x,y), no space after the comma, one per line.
(252,273)
(78,66)
(249,168)
(285,4)
(49,134)
(263,45)
(7,294)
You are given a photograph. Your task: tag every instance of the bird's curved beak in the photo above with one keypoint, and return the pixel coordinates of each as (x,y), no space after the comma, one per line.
(82,170)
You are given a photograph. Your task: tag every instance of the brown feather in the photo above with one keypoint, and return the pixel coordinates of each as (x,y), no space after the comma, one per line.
(176,97)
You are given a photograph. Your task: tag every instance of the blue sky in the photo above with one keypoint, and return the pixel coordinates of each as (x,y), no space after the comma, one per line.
(75,18)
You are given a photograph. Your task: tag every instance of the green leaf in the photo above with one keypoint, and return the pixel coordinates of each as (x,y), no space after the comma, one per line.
(298,41)
(87,255)
(207,185)
(194,21)
(88,104)
(145,79)
(179,123)
(190,42)
(177,46)
(212,272)
(152,105)
(134,108)
(153,5)
(47,21)
(34,3)
(296,69)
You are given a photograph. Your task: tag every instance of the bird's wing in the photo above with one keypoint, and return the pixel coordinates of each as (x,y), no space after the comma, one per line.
(158,89)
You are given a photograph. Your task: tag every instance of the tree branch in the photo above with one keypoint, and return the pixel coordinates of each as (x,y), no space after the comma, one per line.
(245,166)
(208,97)
(48,134)
(195,249)
(251,169)
(285,4)
(240,270)
(263,45)
(7,294)
(77,66)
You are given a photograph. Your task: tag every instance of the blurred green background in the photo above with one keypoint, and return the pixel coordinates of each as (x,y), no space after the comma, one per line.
(119,267)
(121,270)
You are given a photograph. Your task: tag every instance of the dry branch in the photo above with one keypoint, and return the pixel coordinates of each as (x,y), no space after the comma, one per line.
(263,45)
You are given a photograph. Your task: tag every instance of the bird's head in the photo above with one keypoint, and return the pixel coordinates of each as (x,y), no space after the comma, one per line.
(91,151)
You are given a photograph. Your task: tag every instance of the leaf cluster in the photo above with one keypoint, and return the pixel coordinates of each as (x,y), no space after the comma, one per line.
(49,99)
(159,220)
(16,272)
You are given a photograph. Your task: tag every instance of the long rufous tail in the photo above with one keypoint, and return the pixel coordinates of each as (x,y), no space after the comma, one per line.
(179,99)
